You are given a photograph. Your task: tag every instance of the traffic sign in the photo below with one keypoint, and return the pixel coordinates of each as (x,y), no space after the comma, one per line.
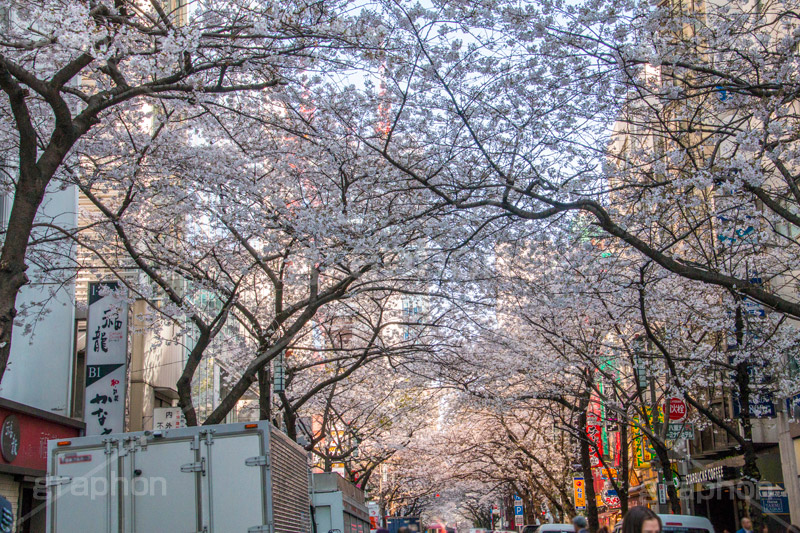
(662,493)
(677,410)
(681,430)
(518,509)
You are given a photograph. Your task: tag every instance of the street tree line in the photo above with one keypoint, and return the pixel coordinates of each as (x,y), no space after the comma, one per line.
(530,209)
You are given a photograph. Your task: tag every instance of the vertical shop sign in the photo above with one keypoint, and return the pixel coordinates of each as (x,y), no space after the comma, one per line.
(579,489)
(106,360)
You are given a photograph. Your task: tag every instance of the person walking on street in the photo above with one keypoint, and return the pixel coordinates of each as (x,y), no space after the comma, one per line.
(580,524)
(747,526)
(640,519)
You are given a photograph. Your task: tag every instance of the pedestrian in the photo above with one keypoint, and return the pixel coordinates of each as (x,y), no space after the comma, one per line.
(641,519)
(765,529)
(603,529)
(580,524)
(747,526)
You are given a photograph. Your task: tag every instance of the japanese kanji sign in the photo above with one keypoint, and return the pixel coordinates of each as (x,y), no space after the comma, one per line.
(595,434)
(106,360)
(579,490)
(168,418)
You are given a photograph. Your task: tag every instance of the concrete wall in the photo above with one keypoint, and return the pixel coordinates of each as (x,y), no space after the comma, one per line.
(157,361)
(42,347)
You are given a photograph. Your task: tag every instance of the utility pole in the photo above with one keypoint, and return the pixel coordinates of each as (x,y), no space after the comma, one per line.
(687,492)
(788,463)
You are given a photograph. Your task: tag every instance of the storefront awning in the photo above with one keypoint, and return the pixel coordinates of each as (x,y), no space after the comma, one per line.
(24,432)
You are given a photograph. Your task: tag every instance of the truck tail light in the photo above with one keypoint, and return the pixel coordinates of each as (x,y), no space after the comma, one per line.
(64,443)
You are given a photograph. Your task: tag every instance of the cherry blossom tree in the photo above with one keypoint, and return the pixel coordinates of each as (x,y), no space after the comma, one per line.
(68,67)
(671,128)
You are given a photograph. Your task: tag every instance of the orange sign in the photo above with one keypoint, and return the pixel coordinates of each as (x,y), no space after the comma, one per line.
(579,489)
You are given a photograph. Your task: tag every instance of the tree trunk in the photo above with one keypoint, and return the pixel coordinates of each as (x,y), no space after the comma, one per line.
(264,389)
(667,474)
(184,384)
(622,480)
(289,417)
(586,467)
(750,470)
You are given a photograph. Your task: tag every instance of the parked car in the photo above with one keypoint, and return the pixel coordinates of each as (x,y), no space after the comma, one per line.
(681,523)
(556,528)
(530,528)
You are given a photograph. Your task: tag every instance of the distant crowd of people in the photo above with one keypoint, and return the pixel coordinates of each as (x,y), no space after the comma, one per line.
(642,519)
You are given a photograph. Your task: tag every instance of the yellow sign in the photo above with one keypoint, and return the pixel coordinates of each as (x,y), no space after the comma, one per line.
(609,473)
(643,451)
(579,488)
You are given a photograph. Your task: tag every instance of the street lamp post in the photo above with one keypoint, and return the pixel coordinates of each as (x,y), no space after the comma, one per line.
(788,463)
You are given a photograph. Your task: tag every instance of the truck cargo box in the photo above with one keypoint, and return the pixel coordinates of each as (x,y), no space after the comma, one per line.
(245,477)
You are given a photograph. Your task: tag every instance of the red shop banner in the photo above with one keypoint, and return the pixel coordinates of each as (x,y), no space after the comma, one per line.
(24,432)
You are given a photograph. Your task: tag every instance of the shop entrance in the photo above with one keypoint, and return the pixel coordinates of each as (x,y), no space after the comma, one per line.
(719,506)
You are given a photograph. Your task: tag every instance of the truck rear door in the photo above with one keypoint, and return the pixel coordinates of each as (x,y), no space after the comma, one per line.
(80,487)
(236,482)
(164,484)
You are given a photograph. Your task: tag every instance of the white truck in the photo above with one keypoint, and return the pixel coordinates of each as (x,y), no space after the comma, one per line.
(338,504)
(244,477)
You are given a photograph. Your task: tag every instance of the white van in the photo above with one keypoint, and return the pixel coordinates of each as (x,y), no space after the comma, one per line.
(680,523)
(556,528)
(683,523)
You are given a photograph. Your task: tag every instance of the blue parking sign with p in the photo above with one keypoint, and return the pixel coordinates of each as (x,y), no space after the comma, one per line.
(518,510)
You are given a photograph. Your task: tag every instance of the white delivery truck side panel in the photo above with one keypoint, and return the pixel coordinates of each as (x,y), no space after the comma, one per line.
(203,479)
(291,503)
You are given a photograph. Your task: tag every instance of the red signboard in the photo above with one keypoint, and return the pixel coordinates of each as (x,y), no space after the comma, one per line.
(595,434)
(597,481)
(676,408)
(610,499)
(31,435)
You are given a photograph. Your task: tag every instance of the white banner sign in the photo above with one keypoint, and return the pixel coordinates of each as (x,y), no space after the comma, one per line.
(168,418)
(106,361)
